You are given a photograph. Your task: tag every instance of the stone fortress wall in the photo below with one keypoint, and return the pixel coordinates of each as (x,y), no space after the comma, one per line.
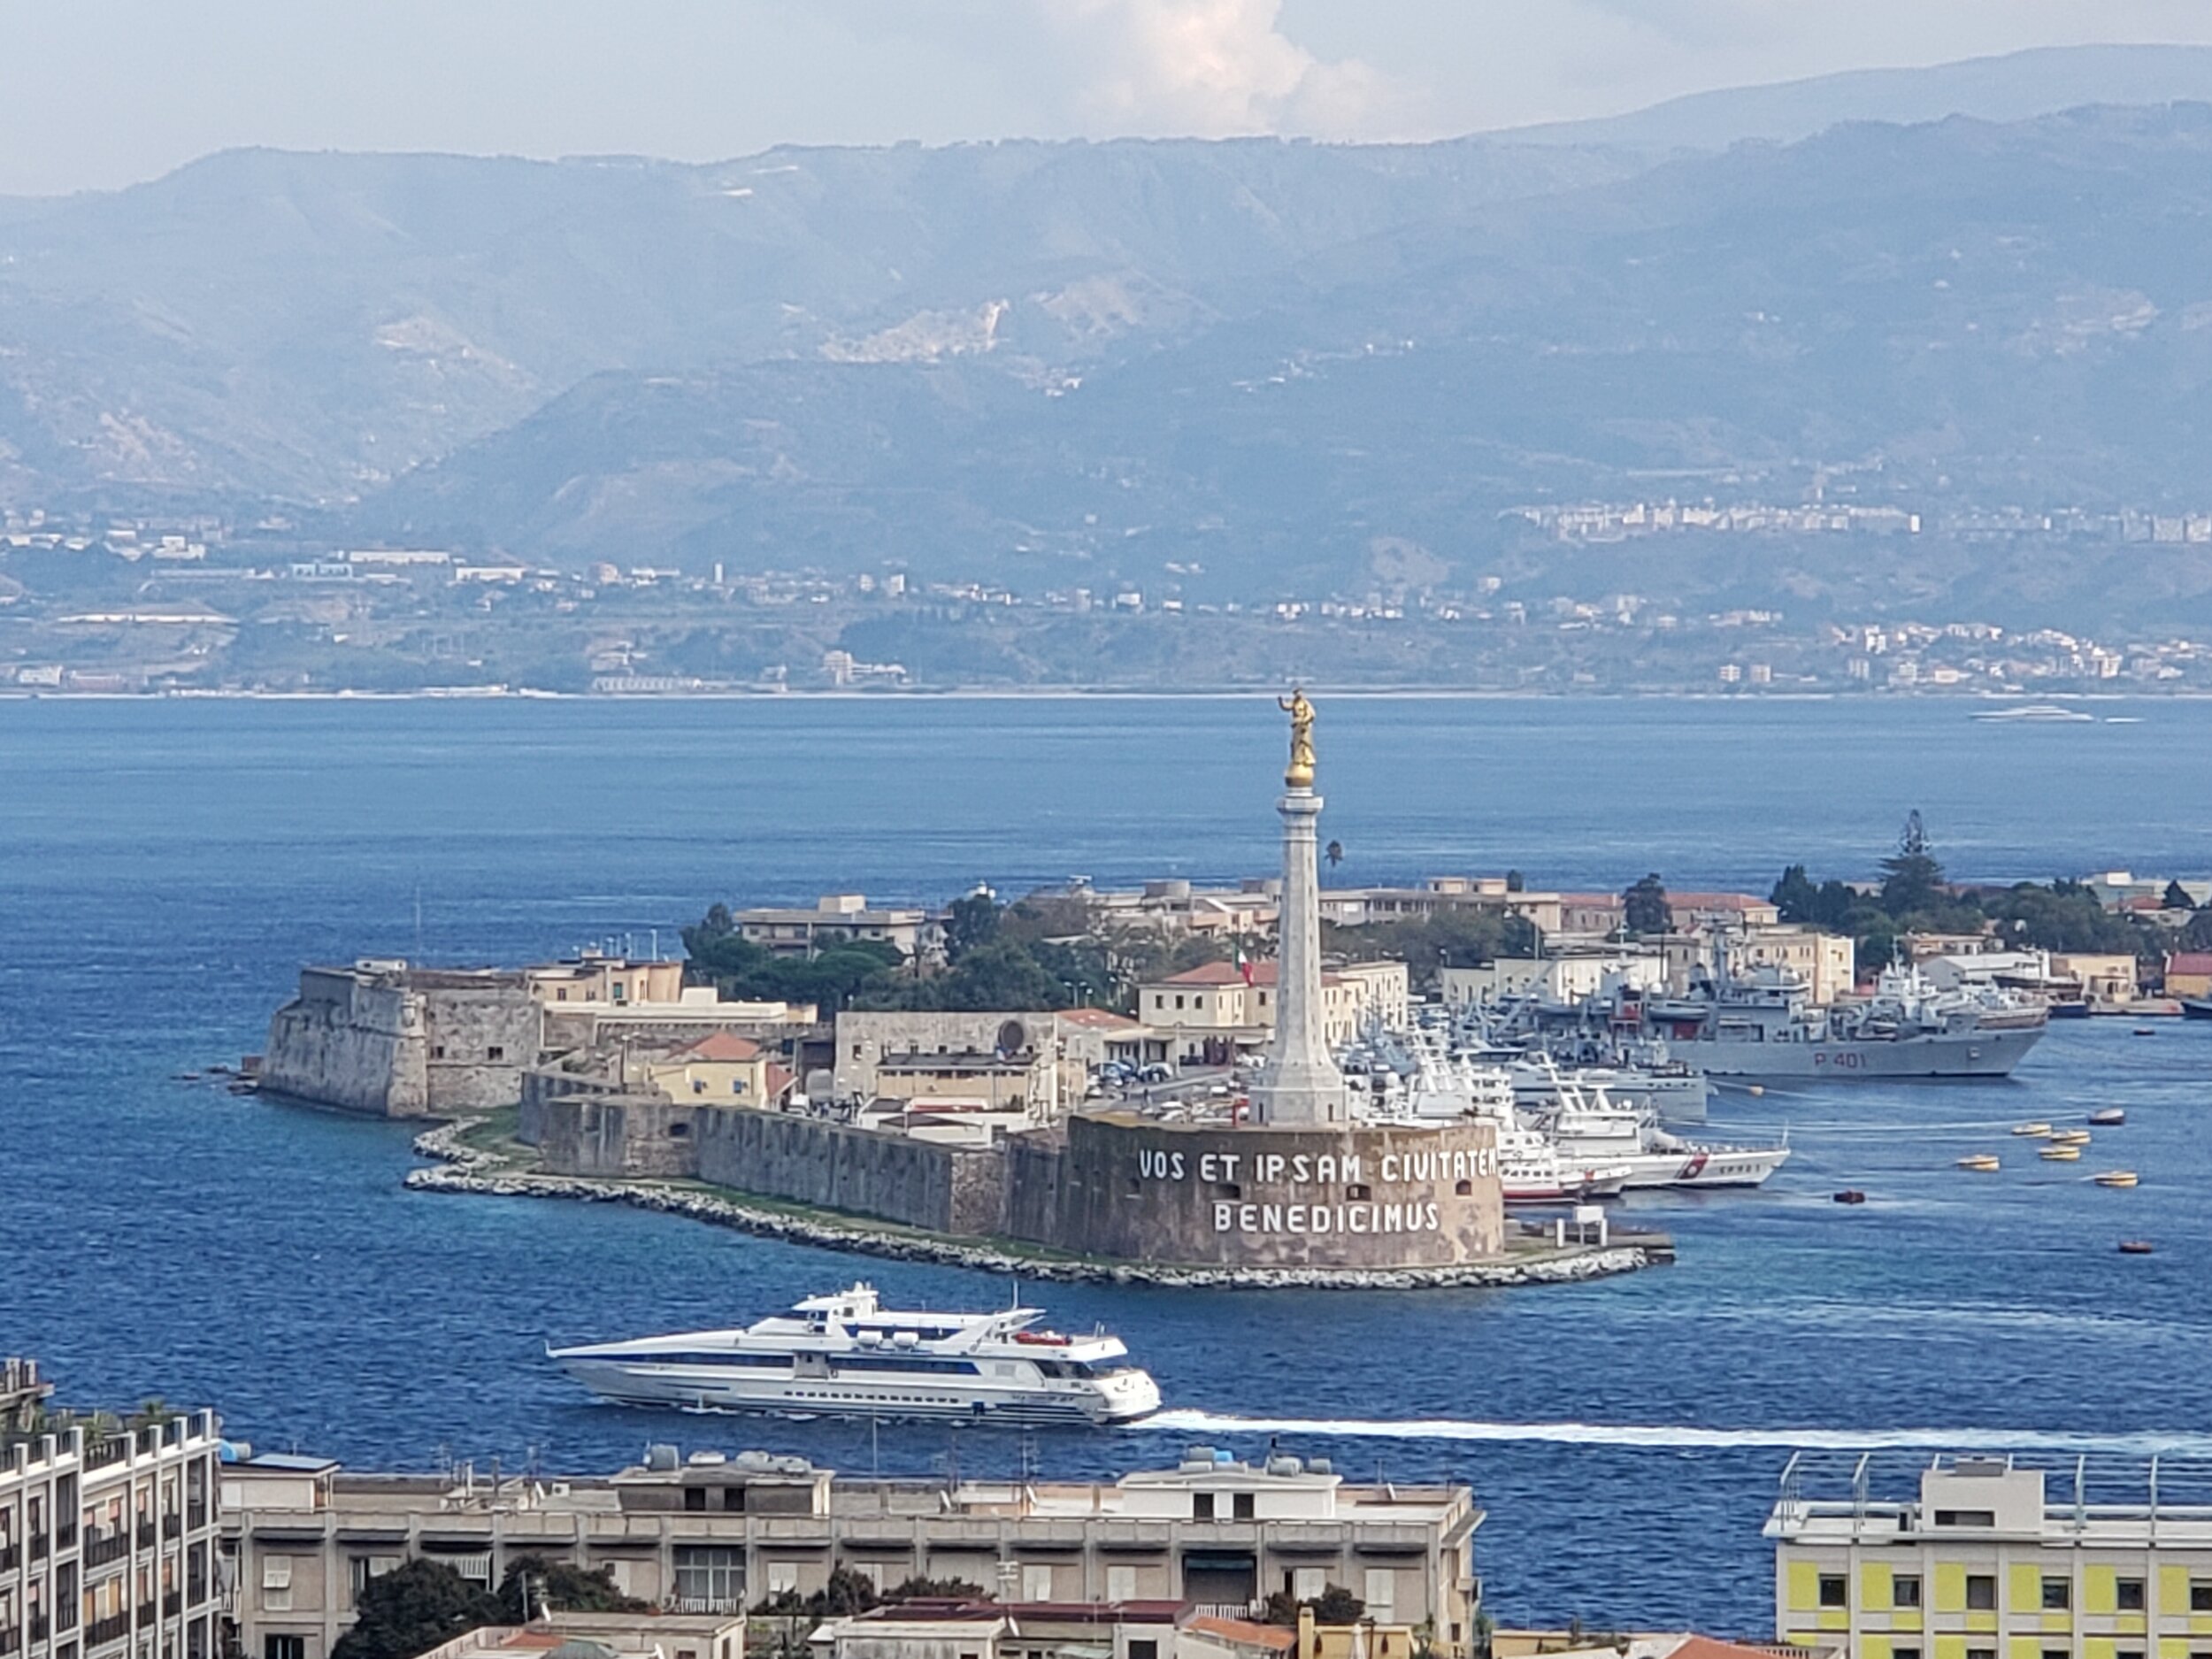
(1330,1196)
(396,1041)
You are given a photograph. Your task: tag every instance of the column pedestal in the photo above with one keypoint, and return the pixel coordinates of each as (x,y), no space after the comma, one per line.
(1302,1084)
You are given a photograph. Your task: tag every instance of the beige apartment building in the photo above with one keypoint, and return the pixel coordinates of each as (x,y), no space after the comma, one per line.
(1211,1014)
(1989,1559)
(716,1536)
(839,918)
(107,1534)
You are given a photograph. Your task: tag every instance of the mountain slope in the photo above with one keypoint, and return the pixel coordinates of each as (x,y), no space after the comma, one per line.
(2013,86)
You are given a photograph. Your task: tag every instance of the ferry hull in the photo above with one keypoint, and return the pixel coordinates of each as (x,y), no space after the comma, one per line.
(685,1388)
(1975,1054)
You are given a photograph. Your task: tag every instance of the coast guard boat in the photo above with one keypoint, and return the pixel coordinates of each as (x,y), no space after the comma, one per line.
(845,1355)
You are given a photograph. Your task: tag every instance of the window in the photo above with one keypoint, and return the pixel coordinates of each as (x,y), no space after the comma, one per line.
(2127,1595)
(1306,1583)
(782,1576)
(2058,1653)
(1036,1582)
(2201,1595)
(1464,1189)
(276,1584)
(1904,1653)
(1240,1506)
(1981,1592)
(1904,1590)
(1227,1189)
(361,1569)
(1202,1506)
(1382,1594)
(1966,1517)
(2058,1594)
(437,1052)
(275,1647)
(495,1053)
(694,1498)
(1144,1650)
(1121,1586)
(1357,1191)
(709,1578)
(1835,1590)
(733,1500)
(1981,1653)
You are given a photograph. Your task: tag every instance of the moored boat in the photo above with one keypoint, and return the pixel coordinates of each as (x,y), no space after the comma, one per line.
(1981,1163)
(2116,1177)
(2059,1153)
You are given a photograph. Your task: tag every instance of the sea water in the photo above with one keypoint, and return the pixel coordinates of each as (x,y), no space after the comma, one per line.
(165,867)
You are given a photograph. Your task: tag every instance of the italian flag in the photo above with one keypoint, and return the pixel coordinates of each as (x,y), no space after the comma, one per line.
(1244,964)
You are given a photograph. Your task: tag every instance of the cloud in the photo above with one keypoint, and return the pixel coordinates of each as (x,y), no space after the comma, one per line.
(1213,69)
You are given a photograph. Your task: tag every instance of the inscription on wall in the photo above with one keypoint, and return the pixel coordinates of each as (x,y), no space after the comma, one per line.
(1321,1193)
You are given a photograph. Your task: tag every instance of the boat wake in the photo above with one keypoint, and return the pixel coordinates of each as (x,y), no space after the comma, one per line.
(1664,1437)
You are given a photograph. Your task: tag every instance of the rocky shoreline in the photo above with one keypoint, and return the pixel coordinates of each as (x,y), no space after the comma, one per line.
(461,1169)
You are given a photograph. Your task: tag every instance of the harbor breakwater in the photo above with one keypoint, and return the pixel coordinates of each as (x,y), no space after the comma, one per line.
(460,1168)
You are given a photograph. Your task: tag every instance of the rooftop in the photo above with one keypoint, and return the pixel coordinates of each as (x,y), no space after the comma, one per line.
(719,1046)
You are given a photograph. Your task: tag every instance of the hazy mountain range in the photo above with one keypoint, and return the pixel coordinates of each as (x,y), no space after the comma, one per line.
(1286,364)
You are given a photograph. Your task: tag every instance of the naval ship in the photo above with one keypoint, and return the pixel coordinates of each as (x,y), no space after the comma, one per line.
(1766,1028)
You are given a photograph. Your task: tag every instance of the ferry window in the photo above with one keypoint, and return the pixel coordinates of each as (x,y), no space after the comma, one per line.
(1981,1592)
(2058,1594)
(1202,1506)
(2201,1595)
(1240,1506)
(1904,1590)
(2128,1595)
(1835,1590)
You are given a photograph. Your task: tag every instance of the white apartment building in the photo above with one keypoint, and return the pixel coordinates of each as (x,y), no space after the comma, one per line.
(108,1531)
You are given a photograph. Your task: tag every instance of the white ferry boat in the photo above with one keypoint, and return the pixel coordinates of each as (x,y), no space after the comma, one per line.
(1590,1128)
(845,1355)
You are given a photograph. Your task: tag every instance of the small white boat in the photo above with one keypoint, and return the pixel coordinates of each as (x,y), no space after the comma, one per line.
(1980,1162)
(2056,1153)
(845,1355)
(2116,1177)
(2032,1129)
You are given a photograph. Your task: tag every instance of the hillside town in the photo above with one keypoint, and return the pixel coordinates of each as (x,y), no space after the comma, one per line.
(193,605)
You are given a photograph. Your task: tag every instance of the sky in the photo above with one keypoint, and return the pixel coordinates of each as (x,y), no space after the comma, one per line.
(96,94)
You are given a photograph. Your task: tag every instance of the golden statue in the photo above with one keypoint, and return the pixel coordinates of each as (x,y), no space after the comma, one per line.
(1298,773)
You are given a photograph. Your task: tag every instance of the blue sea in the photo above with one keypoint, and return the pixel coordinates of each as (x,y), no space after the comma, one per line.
(166,866)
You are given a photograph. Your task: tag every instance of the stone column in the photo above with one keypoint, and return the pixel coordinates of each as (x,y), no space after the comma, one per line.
(1300,1084)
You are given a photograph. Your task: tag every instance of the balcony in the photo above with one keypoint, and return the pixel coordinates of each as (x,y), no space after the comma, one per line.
(147,1536)
(172,1604)
(195,1514)
(41,1546)
(11,1557)
(11,1639)
(64,1536)
(101,1548)
(145,1615)
(114,1627)
(39,1627)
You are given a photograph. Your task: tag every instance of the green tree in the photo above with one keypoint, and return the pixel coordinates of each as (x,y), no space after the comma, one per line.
(1795,895)
(847,1592)
(1644,907)
(561,1585)
(1911,877)
(413,1608)
(2196,934)
(921,1589)
(970,924)
(2177,898)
